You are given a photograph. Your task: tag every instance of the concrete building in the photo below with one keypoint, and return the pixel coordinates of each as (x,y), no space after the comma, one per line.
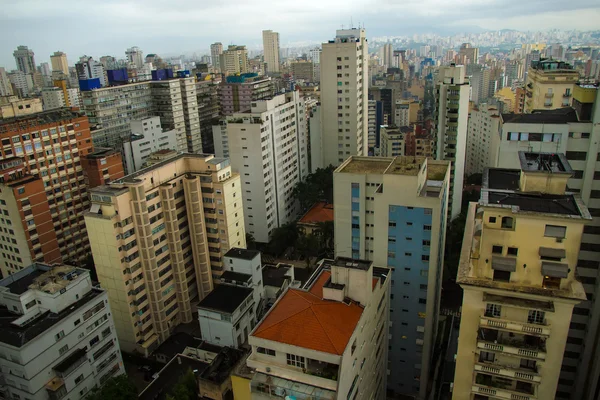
(12,107)
(451,118)
(88,68)
(268,148)
(480,85)
(42,197)
(424,146)
(135,55)
(209,110)
(345,307)
(24,58)
(59,62)
(21,82)
(393,211)
(52,98)
(344,89)
(237,93)
(234,60)
(147,137)
(158,237)
(467,54)
(271,50)
(58,337)
(302,70)
(550,85)
(102,166)
(216,49)
(518,304)
(406,112)
(393,141)
(483,129)
(373,126)
(5,84)
(387,55)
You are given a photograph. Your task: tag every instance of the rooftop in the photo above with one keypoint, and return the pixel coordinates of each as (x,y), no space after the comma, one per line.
(49,279)
(275,275)
(319,212)
(502,179)
(304,319)
(176,344)
(221,367)
(170,375)
(401,165)
(101,152)
(361,165)
(225,298)
(544,162)
(231,276)
(557,116)
(43,118)
(246,254)
(534,202)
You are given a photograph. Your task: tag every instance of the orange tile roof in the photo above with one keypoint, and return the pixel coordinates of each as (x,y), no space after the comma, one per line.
(305,320)
(375,280)
(320,212)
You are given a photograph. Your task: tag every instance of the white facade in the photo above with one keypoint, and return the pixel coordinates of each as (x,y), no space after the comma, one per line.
(147,137)
(402,113)
(314,137)
(74,97)
(271,50)
(22,82)
(88,68)
(135,55)
(452,118)
(392,142)
(344,87)
(484,123)
(58,339)
(53,98)
(268,148)
(5,86)
(216,49)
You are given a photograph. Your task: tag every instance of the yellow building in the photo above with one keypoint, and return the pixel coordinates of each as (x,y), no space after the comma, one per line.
(506,96)
(59,62)
(13,106)
(518,273)
(158,238)
(550,85)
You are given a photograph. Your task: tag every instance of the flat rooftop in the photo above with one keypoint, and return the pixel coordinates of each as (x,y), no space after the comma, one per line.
(223,364)
(42,277)
(245,254)
(544,162)
(225,298)
(43,118)
(558,116)
(275,275)
(168,377)
(369,165)
(232,276)
(502,178)
(401,165)
(539,203)
(176,344)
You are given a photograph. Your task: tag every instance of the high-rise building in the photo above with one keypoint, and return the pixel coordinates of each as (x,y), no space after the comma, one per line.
(451,118)
(268,148)
(53,97)
(550,85)
(393,140)
(43,191)
(45,70)
(22,83)
(519,273)
(375,120)
(59,62)
(345,308)
(24,59)
(480,85)
(468,54)
(158,237)
(344,90)
(135,55)
(393,211)
(58,336)
(483,128)
(216,49)
(147,137)
(5,84)
(406,112)
(238,93)
(209,111)
(387,58)
(88,68)
(234,60)
(271,50)
(302,70)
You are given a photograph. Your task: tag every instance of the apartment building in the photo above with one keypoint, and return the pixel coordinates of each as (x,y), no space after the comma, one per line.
(59,62)
(268,148)
(406,112)
(216,49)
(519,272)
(344,306)
(147,137)
(483,130)
(234,60)
(5,85)
(88,68)
(549,85)
(238,93)
(12,107)
(424,146)
(271,50)
(42,189)
(102,166)
(158,238)
(209,111)
(58,337)
(451,118)
(344,90)
(392,140)
(302,70)
(393,211)
(573,132)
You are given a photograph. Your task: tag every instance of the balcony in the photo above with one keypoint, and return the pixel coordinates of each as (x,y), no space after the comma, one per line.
(566,95)
(322,369)
(521,345)
(549,95)
(265,386)
(503,388)
(514,326)
(508,371)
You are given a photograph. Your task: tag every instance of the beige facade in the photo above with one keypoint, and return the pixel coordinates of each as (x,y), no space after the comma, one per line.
(12,106)
(549,85)
(59,62)
(271,50)
(234,60)
(158,238)
(518,273)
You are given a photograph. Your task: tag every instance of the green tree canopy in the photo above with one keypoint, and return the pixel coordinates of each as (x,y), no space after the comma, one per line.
(117,388)
(186,388)
(318,186)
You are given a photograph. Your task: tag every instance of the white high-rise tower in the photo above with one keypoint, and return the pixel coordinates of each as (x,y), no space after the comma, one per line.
(271,48)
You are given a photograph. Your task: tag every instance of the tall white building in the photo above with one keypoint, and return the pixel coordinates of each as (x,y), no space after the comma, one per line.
(344,86)
(88,68)
(24,59)
(52,98)
(452,103)
(216,49)
(392,211)
(5,86)
(484,122)
(271,50)
(268,148)
(22,82)
(147,137)
(58,336)
(135,55)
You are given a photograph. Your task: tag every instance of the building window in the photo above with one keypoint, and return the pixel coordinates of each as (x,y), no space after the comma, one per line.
(501,276)
(493,310)
(512,251)
(550,282)
(497,249)
(555,231)
(536,317)
(507,223)
(492,220)
(266,351)
(63,349)
(295,361)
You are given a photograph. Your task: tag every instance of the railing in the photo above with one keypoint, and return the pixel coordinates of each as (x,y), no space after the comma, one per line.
(511,349)
(500,393)
(507,371)
(521,327)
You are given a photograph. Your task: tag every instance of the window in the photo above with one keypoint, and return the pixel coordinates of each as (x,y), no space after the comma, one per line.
(63,349)
(501,276)
(536,317)
(493,310)
(497,249)
(263,350)
(550,282)
(59,335)
(295,361)
(555,231)
(486,356)
(507,222)
(512,251)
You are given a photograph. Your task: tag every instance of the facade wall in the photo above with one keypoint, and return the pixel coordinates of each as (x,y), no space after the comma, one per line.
(271,50)
(147,137)
(482,133)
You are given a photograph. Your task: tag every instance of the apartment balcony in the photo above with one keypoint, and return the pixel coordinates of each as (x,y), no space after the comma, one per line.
(520,345)
(503,389)
(322,375)
(512,372)
(547,104)
(549,95)
(265,386)
(514,326)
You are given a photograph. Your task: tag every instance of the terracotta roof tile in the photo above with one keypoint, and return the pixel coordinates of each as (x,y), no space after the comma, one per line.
(319,212)
(305,320)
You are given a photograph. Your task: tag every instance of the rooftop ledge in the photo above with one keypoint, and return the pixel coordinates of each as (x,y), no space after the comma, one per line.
(464,276)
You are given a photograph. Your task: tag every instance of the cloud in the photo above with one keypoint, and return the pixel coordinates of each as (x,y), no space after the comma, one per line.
(99,27)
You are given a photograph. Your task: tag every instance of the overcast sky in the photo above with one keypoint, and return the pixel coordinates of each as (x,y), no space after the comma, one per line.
(101,27)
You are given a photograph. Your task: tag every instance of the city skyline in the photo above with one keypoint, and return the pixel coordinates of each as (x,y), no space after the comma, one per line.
(191,29)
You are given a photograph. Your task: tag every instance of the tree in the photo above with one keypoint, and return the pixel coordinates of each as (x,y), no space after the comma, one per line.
(250,241)
(117,388)
(282,238)
(308,246)
(318,186)
(325,232)
(186,387)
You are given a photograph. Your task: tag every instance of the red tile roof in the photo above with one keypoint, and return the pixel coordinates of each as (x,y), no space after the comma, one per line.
(320,212)
(305,320)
